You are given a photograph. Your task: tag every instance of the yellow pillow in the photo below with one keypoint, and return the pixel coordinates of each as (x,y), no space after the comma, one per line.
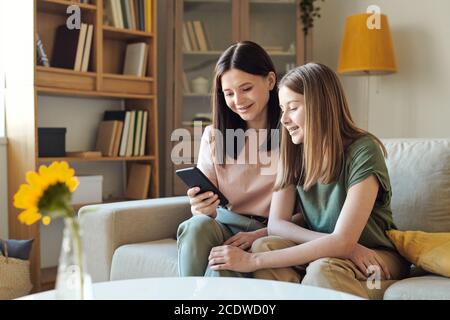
(430,251)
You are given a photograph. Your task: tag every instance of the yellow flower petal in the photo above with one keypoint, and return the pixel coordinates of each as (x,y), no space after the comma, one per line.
(46,220)
(29,216)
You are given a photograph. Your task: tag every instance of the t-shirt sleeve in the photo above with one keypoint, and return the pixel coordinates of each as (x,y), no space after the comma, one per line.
(205,160)
(367,159)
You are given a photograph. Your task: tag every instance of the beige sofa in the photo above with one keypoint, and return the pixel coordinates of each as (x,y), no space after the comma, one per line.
(136,239)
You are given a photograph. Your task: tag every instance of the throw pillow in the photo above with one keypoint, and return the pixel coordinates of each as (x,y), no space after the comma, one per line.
(19,249)
(430,251)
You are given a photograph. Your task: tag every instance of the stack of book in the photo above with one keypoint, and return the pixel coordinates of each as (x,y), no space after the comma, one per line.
(122,133)
(195,37)
(72,48)
(128,14)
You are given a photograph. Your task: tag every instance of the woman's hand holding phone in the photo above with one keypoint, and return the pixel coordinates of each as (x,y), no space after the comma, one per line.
(203,203)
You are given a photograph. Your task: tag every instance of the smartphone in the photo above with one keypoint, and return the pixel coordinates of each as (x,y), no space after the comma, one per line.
(193,177)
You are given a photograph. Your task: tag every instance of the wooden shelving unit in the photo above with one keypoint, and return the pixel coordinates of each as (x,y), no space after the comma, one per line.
(103,81)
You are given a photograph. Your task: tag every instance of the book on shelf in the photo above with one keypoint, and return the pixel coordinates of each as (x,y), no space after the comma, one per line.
(72,48)
(195,36)
(106,137)
(138,183)
(128,14)
(87,48)
(42,58)
(137,133)
(130,137)
(143,134)
(136,59)
(80,47)
(192,37)
(125,131)
(200,35)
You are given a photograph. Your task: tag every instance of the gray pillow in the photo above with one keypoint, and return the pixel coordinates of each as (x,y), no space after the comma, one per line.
(19,249)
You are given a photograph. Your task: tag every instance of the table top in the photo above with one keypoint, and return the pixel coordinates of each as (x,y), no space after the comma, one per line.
(203,288)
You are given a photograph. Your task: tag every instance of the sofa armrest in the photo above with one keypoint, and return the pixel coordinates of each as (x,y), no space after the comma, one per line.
(109,226)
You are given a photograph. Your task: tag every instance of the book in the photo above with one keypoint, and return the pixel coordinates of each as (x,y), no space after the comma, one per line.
(65,47)
(138,184)
(80,47)
(42,58)
(186,42)
(200,35)
(87,48)
(117,7)
(137,136)
(143,133)
(141,15)
(124,139)
(148,15)
(118,115)
(117,138)
(192,37)
(125,14)
(129,150)
(106,135)
(132,8)
(135,59)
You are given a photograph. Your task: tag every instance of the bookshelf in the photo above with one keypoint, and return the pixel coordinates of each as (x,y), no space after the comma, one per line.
(203,30)
(78,93)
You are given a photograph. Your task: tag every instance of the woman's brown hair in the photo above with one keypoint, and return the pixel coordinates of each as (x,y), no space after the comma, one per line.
(328,125)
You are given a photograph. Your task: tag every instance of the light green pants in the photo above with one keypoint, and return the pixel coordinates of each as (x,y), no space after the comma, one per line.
(198,235)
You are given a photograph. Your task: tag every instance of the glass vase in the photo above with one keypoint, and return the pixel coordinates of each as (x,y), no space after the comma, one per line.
(72,281)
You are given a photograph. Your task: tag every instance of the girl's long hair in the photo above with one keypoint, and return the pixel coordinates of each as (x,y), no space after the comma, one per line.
(328,124)
(251,58)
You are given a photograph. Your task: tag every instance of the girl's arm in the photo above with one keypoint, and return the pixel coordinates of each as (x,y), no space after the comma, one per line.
(353,218)
(280,218)
(351,222)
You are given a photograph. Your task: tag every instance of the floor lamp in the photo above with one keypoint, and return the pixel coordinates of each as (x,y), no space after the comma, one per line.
(366,50)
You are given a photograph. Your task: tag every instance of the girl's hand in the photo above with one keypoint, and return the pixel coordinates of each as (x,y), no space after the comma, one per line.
(364,258)
(231,258)
(244,240)
(203,203)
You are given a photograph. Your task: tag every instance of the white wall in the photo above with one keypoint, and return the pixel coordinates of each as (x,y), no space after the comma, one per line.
(415,102)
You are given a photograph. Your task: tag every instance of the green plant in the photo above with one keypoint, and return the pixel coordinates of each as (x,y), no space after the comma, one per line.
(309,11)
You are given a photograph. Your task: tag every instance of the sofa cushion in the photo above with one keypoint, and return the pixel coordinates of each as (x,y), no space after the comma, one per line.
(419,170)
(145,260)
(429,287)
(430,251)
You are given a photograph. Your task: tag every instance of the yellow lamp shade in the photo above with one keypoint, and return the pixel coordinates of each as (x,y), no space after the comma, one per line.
(365,50)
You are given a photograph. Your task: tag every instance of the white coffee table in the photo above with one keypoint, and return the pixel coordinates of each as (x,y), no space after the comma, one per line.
(201,288)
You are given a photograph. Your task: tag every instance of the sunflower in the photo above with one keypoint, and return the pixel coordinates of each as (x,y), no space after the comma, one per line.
(47,193)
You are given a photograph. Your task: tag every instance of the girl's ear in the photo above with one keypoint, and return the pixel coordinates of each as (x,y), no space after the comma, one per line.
(272,79)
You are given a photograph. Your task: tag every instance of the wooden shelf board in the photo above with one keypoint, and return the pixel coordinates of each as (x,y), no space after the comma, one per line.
(281,53)
(127,77)
(63,71)
(60,6)
(98,94)
(95,159)
(291,2)
(124,34)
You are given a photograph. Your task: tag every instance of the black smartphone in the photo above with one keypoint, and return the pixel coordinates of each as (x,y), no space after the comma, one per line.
(193,177)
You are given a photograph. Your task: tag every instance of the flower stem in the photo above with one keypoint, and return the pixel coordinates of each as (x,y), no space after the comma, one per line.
(75,231)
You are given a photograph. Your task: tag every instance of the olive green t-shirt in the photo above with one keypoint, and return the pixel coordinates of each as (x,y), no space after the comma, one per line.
(323,203)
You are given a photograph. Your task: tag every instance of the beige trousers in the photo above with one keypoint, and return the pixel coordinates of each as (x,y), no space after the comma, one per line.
(332,273)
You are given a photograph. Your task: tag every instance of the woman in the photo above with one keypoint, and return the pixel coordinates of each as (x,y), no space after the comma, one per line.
(339,174)
(245,99)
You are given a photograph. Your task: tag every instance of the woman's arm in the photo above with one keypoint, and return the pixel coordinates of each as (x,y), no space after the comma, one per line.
(351,222)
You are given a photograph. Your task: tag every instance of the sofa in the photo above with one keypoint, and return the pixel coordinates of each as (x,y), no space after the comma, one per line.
(137,239)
